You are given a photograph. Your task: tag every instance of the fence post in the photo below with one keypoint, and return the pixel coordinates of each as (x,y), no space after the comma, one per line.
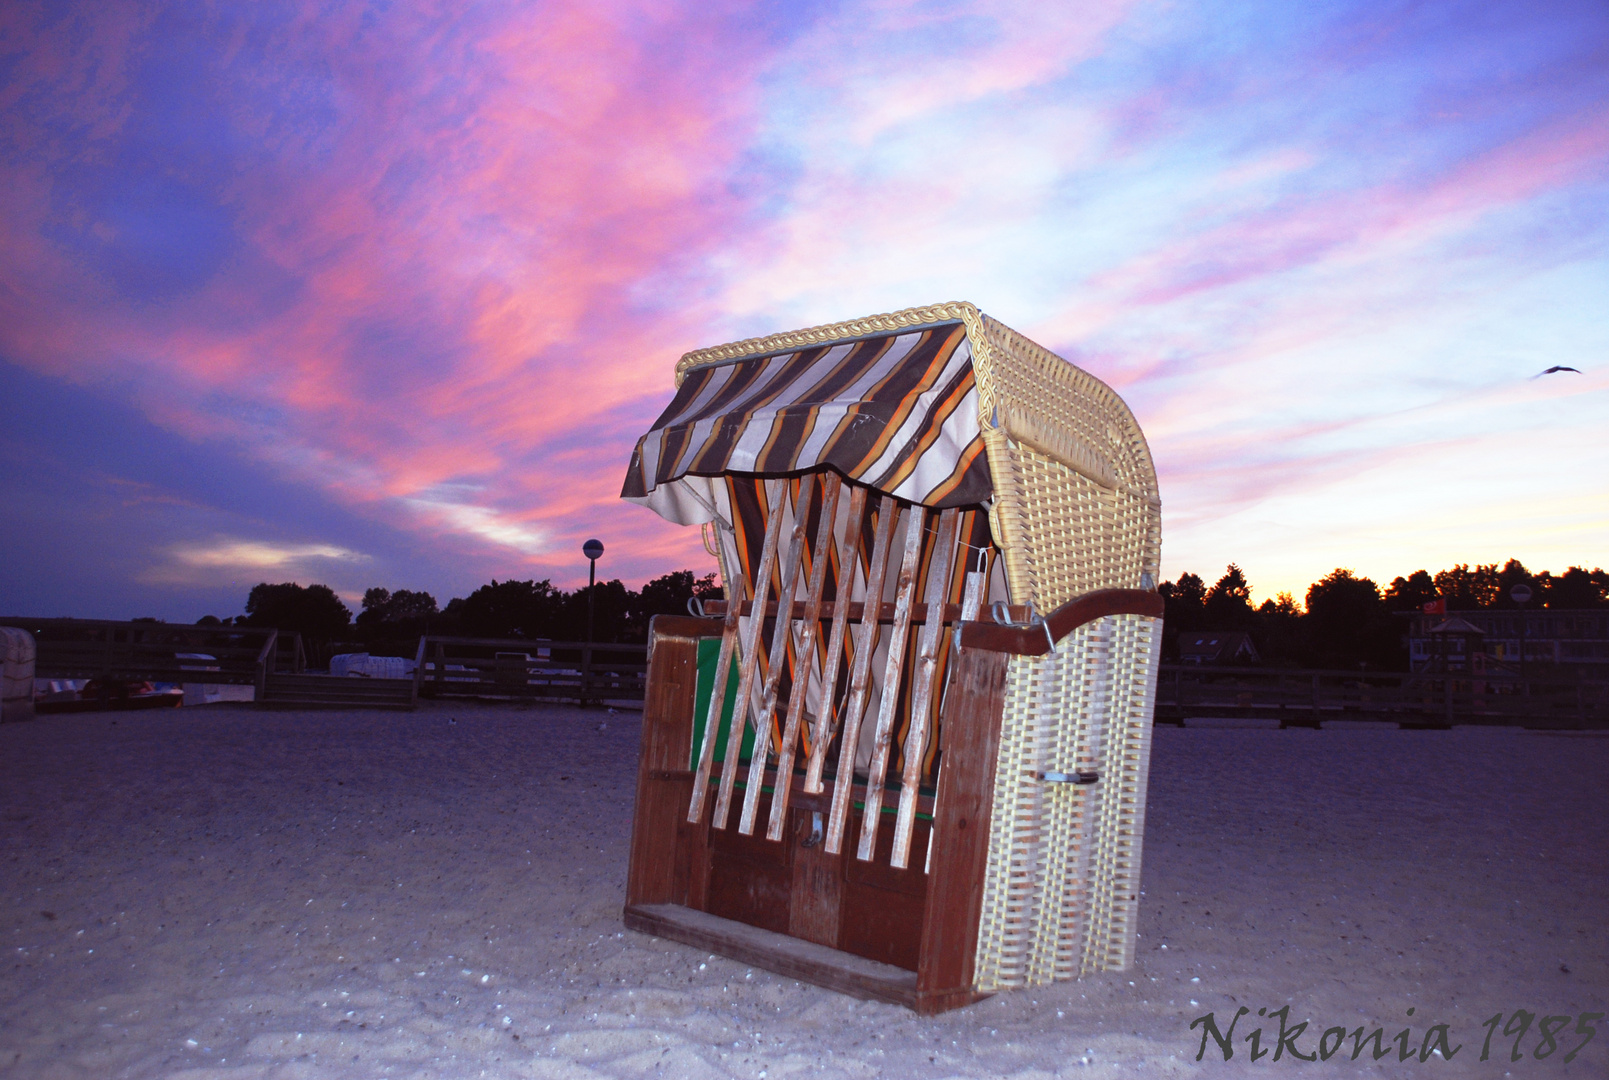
(264,659)
(419,668)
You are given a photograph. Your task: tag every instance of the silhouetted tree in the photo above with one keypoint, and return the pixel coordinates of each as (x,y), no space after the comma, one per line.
(1184,608)
(380,605)
(1411,593)
(1280,632)
(529,609)
(1228,603)
(1514,573)
(1347,622)
(612,617)
(1467,589)
(392,622)
(668,595)
(314,612)
(1575,588)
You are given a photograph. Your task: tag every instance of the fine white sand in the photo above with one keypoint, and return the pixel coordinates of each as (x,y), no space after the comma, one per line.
(223,892)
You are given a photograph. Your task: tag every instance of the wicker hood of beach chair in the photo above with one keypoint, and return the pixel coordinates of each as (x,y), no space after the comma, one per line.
(1000,506)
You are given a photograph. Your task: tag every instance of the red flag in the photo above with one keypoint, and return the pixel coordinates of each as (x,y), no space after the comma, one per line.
(1437,606)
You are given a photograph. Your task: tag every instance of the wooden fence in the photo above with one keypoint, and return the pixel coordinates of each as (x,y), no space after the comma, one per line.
(496,667)
(120,652)
(1306,697)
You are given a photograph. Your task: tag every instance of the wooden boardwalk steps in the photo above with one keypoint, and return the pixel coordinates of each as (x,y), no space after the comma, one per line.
(337,692)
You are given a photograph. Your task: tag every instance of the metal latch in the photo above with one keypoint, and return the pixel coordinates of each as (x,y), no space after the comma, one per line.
(815,830)
(1070,777)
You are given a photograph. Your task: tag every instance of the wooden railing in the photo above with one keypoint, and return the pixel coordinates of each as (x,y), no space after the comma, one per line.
(1306,697)
(503,667)
(159,652)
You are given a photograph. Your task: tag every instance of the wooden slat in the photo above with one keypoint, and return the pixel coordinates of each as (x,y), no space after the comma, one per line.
(750,660)
(789,956)
(847,544)
(922,679)
(815,901)
(959,846)
(977,587)
(712,717)
(860,675)
(777,661)
(888,704)
(806,654)
(666,734)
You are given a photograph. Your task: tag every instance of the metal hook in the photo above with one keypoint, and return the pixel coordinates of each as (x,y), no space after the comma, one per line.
(815,830)
(1001,613)
(1033,618)
(695,607)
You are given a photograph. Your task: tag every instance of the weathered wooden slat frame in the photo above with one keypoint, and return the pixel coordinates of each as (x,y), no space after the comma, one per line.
(776,490)
(805,665)
(922,685)
(888,703)
(866,634)
(821,735)
(777,664)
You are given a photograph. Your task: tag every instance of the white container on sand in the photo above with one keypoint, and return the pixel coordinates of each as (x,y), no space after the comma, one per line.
(17,654)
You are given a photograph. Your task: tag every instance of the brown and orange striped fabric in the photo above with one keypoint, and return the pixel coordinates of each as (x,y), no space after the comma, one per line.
(896,412)
(750,512)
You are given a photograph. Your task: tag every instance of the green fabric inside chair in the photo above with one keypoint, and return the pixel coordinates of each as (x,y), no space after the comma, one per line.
(709,652)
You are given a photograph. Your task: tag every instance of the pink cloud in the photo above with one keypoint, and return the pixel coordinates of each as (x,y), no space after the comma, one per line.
(1350,222)
(463,240)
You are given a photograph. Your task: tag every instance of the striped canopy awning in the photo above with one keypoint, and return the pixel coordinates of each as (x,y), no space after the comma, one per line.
(897,412)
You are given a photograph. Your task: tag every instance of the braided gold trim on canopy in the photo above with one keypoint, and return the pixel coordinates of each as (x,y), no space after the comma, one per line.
(955,311)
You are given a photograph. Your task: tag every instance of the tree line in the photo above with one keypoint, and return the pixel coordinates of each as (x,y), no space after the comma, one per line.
(1343,621)
(394,621)
(1348,621)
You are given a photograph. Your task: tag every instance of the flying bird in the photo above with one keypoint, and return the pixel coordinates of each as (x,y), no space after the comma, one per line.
(1554,368)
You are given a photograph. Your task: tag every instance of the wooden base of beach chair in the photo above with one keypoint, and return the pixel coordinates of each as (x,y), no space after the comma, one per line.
(794,958)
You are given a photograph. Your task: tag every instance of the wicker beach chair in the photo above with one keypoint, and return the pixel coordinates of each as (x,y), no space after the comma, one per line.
(906,758)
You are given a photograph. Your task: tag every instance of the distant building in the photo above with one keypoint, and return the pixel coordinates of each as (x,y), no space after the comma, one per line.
(1217,647)
(1569,637)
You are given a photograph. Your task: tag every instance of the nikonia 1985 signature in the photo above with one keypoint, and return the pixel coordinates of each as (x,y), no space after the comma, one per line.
(1541,1037)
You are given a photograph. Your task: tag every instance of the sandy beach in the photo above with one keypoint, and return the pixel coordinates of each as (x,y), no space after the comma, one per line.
(223,892)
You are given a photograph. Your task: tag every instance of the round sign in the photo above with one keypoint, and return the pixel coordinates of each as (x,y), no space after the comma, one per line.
(1521,593)
(592,549)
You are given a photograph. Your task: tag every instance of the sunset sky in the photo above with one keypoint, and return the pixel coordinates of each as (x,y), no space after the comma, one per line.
(383,294)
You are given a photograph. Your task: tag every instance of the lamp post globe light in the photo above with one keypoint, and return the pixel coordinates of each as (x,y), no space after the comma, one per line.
(593,550)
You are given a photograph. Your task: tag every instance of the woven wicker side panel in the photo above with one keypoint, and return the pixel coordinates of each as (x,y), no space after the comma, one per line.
(1034,897)
(1061,887)
(1075,488)
(1119,827)
(1065,535)
(1004,923)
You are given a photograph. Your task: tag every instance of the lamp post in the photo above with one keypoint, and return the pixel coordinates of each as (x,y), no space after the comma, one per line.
(593,550)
